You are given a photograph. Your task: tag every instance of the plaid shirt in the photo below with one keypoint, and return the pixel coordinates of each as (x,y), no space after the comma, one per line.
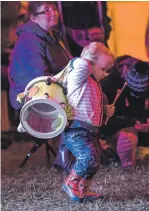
(84,94)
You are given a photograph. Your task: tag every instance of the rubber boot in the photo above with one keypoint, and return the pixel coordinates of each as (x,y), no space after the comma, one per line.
(86,193)
(70,186)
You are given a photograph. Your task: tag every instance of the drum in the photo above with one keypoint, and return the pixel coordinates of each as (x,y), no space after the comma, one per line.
(43,113)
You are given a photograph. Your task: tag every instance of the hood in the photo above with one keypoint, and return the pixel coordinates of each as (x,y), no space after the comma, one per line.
(117,72)
(127,60)
(137,79)
(135,72)
(33,28)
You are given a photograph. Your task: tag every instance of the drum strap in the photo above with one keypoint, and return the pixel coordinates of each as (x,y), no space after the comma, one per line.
(65,71)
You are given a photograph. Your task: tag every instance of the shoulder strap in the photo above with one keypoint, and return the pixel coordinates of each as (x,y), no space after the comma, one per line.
(66,70)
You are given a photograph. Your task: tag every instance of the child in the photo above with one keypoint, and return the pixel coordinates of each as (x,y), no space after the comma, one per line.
(85,115)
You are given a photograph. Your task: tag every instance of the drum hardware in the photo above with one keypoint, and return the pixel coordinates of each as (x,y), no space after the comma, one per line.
(37,145)
(65,91)
(46,95)
(49,82)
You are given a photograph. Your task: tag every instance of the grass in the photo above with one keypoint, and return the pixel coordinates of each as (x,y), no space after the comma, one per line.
(37,187)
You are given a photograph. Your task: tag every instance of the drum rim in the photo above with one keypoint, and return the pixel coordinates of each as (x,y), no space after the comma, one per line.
(35,133)
(38,79)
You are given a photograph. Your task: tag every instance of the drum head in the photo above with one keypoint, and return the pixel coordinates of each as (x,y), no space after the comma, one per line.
(43,118)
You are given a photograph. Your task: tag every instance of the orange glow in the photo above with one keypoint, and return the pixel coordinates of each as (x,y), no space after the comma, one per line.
(129,24)
(24,4)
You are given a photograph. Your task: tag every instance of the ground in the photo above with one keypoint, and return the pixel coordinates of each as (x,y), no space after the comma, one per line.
(36,186)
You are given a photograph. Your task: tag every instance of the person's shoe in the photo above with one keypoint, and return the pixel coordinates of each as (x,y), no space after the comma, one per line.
(70,186)
(86,193)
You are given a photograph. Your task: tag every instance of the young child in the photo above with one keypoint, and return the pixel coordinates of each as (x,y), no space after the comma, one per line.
(85,115)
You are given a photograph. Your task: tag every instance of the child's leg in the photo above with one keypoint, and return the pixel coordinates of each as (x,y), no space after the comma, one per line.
(63,159)
(81,145)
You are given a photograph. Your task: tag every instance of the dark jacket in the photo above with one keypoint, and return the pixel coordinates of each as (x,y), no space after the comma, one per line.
(35,54)
(126,105)
(128,108)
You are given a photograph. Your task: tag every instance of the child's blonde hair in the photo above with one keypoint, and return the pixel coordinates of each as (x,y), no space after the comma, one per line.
(94,50)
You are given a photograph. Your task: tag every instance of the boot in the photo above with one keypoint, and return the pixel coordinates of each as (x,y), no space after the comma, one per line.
(70,186)
(86,193)
(63,160)
(126,148)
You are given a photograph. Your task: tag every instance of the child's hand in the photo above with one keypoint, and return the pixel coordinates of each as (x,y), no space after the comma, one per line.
(110,110)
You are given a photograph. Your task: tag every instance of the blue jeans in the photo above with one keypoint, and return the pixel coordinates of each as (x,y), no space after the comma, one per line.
(85,150)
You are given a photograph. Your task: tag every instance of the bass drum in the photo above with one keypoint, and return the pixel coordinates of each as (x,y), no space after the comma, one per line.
(43,113)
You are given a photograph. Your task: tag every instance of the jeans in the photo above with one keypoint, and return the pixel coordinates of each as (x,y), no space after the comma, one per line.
(85,150)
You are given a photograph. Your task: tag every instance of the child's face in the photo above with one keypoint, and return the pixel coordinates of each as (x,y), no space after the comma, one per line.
(100,68)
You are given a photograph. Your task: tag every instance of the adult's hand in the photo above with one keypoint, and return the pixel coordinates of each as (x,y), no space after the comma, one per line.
(142,127)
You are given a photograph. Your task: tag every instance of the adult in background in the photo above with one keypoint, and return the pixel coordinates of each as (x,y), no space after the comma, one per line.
(130,124)
(40,50)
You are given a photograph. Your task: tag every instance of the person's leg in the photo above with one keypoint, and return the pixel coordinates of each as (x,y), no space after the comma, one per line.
(87,162)
(85,182)
(63,159)
(81,144)
(108,151)
(127,140)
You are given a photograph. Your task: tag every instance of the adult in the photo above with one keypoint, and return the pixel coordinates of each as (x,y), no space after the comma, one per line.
(130,124)
(41,48)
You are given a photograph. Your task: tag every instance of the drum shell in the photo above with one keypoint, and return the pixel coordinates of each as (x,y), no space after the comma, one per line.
(53,92)
(43,114)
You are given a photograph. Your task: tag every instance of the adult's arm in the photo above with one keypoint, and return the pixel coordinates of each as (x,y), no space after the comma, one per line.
(142,127)
(28,59)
